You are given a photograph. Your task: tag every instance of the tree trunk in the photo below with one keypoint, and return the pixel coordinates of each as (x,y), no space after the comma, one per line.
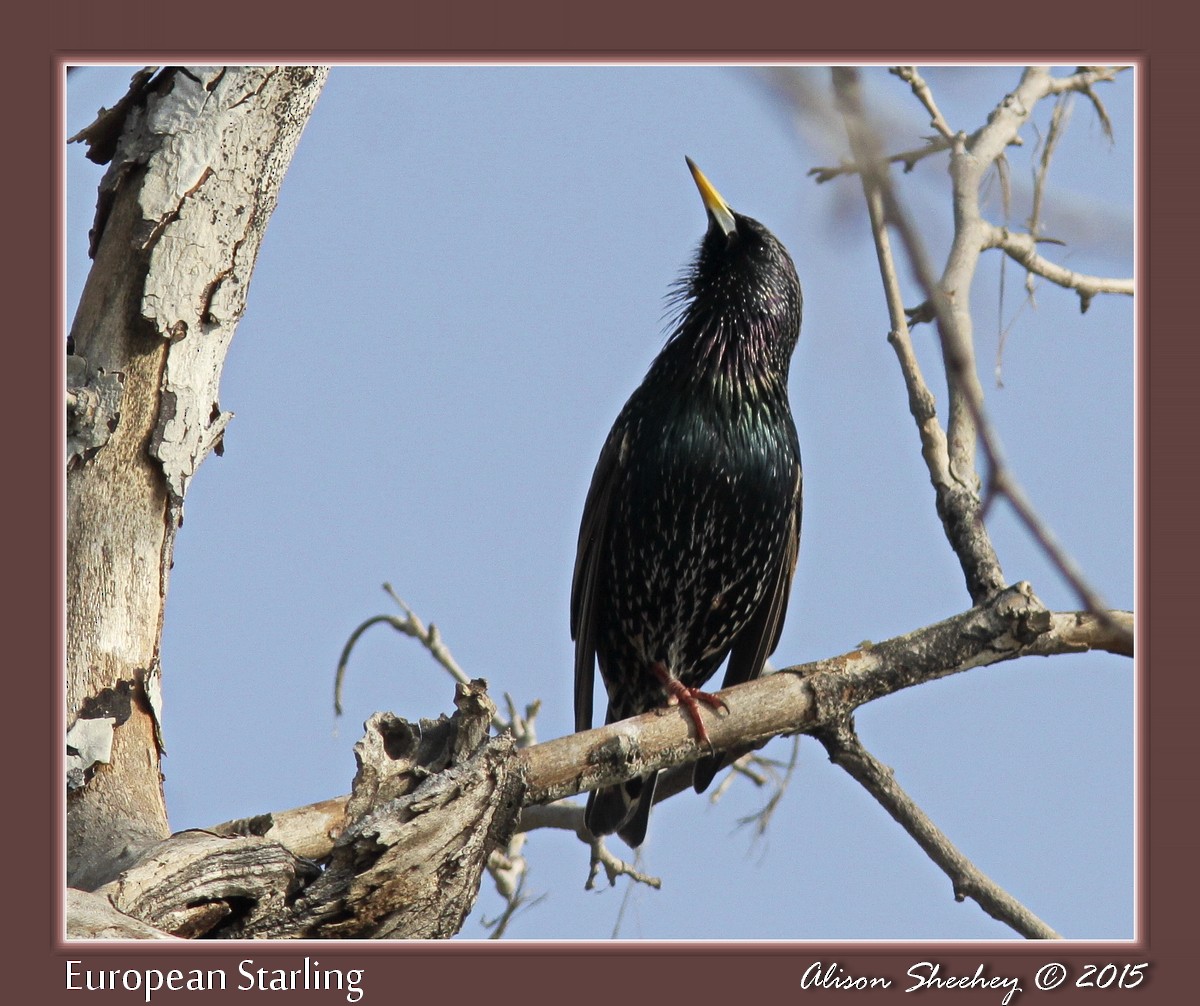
(196,159)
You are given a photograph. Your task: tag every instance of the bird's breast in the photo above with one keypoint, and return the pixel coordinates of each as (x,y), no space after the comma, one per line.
(700,515)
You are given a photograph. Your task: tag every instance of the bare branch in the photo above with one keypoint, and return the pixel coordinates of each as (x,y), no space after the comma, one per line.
(847,751)
(802,699)
(566,815)
(1080,631)
(430,638)
(948,298)
(909,158)
(308,832)
(761,818)
(396,623)
(955,486)
(797,699)
(1022,248)
(1083,78)
(1101,113)
(92,916)
(1003,484)
(1004,176)
(508,871)
(522,725)
(1058,125)
(749,766)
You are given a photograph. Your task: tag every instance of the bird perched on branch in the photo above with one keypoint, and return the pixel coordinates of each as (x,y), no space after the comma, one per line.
(691,525)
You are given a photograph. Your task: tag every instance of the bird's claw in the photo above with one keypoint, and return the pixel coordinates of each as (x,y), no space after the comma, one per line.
(691,699)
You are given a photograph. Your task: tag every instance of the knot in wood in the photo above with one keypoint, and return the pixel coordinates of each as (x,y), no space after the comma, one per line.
(616,754)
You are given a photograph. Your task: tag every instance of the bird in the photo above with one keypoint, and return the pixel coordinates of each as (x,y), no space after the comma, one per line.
(691,525)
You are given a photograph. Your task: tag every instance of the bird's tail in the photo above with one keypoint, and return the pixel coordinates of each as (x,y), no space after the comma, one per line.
(623,809)
(707,767)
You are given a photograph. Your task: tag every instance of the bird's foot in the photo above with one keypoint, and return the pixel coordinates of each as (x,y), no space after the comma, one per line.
(690,698)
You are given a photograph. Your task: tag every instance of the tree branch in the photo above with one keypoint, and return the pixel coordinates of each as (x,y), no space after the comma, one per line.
(196,883)
(950,462)
(802,698)
(1058,125)
(797,699)
(429,637)
(1082,80)
(568,816)
(959,505)
(846,750)
(401,858)
(909,158)
(1022,248)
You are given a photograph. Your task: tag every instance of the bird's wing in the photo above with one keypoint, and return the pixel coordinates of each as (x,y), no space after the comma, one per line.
(585,585)
(758,639)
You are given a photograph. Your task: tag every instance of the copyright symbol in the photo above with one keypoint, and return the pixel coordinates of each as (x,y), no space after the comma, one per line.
(1050,976)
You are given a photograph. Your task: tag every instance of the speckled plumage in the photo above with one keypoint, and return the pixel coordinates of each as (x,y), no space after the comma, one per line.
(691,526)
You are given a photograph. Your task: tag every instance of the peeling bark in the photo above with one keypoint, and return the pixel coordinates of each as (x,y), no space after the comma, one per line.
(197,156)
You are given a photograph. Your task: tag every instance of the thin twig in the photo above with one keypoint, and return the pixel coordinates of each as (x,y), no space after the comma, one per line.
(431,639)
(748,767)
(1101,112)
(1058,124)
(910,76)
(1083,78)
(523,728)
(1002,484)
(909,158)
(957,503)
(626,903)
(615,867)
(566,815)
(515,898)
(761,819)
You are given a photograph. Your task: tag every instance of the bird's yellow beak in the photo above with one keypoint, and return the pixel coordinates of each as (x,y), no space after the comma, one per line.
(717,207)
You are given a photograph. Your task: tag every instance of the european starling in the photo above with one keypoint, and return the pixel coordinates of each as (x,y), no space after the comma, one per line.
(691,526)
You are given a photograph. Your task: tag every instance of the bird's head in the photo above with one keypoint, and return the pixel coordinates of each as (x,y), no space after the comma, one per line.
(742,286)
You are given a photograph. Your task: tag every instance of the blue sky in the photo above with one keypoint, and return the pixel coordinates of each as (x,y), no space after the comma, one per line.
(463,281)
